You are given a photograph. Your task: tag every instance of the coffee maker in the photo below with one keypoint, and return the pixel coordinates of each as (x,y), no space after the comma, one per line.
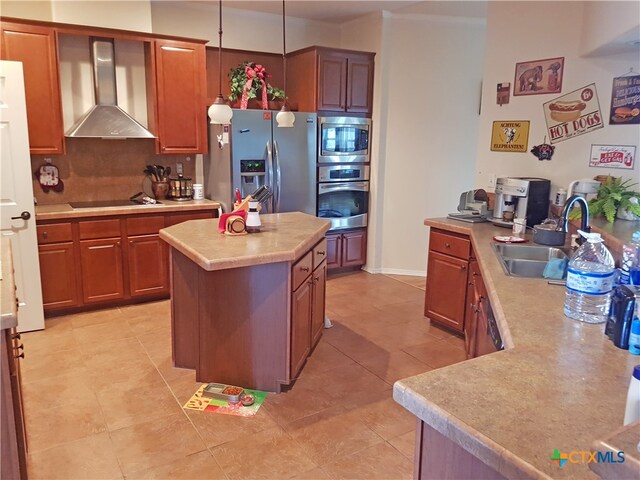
(521,197)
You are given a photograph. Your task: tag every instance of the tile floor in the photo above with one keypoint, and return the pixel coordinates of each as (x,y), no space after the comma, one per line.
(103,401)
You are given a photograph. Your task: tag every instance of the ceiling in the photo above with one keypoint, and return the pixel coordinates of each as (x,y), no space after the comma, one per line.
(339,11)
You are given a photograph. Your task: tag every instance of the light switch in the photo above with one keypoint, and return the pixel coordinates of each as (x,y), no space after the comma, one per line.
(179,168)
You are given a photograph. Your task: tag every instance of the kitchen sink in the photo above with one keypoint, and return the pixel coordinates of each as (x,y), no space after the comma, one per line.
(526,260)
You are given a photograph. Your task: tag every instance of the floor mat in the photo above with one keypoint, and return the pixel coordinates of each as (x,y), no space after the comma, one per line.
(198,402)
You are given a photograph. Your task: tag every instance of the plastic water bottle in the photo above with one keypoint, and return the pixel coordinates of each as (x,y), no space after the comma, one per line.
(589,281)
(632,410)
(630,260)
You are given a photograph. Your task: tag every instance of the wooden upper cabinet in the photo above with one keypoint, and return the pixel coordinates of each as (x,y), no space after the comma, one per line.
(332,87)
(180,113)
(331,80)
(35,47)
(360,84)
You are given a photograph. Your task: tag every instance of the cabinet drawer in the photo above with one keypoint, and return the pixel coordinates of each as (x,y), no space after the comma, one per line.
(450,245)
(54,233)
(301,270)
(99,229)
(319,253)
(144,225)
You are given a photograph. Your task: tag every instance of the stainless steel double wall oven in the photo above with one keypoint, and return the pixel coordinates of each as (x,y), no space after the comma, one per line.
(343,171)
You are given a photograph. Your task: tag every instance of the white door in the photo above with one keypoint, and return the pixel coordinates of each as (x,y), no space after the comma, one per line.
(17,211)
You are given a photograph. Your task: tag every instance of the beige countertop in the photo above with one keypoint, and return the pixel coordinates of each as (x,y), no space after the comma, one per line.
(284,237)
(8,306)
(65,211)
(626,439)
(559,384)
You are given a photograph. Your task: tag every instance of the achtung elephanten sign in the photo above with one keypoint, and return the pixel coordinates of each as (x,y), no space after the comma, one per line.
(510,136)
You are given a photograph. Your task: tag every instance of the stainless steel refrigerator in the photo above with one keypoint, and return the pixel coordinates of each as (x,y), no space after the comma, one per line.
(261,153)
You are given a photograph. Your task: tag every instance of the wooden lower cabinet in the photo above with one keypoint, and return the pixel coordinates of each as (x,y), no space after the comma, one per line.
(301,301)
(307,316)
(347,249)
(439,457)
(106,260)
(101,267)
(318,305)
(13,440)
(446,290)
(148,265)
(58,273)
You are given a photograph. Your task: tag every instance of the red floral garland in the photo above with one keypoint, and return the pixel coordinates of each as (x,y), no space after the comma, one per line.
(254,74)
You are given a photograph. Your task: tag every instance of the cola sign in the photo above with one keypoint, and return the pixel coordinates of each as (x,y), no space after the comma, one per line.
(573,114)
(612,156)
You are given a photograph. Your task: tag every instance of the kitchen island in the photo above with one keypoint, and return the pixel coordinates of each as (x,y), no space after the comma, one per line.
(247,310)
(558,385)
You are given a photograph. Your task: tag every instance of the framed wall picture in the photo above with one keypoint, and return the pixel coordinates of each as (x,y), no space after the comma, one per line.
(537,77)
(625,101)
(572,114)
(612,156)
(510,136)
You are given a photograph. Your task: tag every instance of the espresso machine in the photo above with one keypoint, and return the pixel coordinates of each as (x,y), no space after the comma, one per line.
(521,197)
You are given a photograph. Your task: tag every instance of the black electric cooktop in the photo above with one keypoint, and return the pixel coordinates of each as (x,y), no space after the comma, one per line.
(105,203)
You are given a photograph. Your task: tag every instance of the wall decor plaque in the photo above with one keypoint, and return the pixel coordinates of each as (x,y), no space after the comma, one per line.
(537,77)
(573,114)
(625,101)
(612,156)
(510,136)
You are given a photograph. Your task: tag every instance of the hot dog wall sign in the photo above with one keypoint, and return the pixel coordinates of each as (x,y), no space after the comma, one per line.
(573,114)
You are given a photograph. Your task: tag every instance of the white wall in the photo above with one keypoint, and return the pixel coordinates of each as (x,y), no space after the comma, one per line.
(36,10)
(607,22)
(370,34)
(125,15)
(427,95)
(545,35)
(242,29)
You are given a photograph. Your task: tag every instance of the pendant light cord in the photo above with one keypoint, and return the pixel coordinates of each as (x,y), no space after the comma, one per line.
(284,55)
(220,49)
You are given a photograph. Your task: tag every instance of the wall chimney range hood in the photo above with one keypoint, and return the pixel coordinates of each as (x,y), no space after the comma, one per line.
(106,119)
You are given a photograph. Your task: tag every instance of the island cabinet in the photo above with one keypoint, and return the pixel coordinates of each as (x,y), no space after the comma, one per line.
(347,249)
(180,93)
(331,81)
(307,305)
(105,261)
(36,47)
(447,273)
(248,310)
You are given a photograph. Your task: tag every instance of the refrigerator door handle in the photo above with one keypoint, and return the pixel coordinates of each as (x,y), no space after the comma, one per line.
(270,177)
(278,179)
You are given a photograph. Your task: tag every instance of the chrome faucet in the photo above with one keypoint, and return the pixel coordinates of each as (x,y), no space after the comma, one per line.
(584,213)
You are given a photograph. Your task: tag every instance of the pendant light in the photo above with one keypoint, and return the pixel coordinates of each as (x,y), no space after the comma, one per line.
(220,112)
(285,117)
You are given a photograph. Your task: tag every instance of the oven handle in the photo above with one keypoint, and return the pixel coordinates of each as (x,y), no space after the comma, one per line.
(278,179)
(270,205)
(346,186)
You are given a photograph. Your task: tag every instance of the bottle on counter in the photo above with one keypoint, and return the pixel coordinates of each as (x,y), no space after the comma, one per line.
(630,262)
(634,334)
(561,197)
(632,410)
(589,281)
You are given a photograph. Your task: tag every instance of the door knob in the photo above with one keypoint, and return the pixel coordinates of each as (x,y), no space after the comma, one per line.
(24,216)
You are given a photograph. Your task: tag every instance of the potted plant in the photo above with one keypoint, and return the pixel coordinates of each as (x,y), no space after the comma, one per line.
(249,79)
(615,199)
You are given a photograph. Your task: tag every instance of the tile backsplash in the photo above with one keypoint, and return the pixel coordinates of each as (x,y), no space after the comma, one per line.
(96,169)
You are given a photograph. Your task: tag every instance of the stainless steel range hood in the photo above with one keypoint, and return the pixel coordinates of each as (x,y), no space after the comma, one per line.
(106,119)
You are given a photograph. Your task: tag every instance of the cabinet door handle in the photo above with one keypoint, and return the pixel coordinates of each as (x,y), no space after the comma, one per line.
(316,279)
(463,268)
(321,252)
(304,269)
(19,356)
(45,234)
(16,336)
(20,347)
(447,245)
